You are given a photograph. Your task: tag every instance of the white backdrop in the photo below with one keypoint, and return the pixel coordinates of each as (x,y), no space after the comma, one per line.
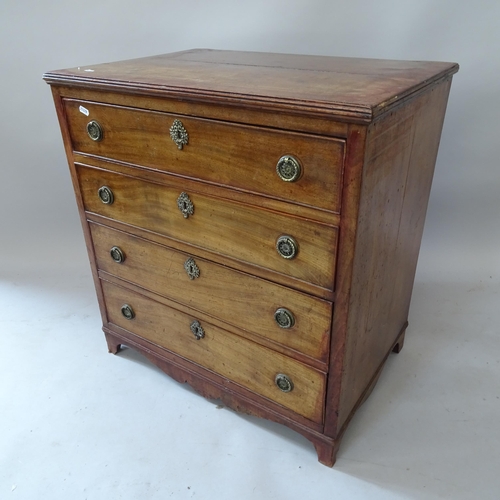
(35,194)
(39,226)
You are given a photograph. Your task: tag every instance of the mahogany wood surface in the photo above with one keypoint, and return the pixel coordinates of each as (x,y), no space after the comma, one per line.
(238,156)
(367,134)
(209,188)
(399,162)
(216,321)
(234,113)
(154,207)
(215,387)
(246,302)
(359,89)
(218,383)
(61,116)
(236,264)
(346,250)
(240,360)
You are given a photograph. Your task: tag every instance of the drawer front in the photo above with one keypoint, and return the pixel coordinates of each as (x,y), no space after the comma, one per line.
(239,299)
(234,155)
(239,231)
(240,360)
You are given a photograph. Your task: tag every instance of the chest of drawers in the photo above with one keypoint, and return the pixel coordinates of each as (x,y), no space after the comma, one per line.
(253,221)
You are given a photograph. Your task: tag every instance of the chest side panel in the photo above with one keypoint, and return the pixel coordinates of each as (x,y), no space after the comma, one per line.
(399,165)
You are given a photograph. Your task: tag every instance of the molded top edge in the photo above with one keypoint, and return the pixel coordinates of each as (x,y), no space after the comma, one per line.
(346,88)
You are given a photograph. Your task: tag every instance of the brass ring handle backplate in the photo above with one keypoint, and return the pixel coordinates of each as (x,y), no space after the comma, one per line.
(95,130)
(288,168)
(284,318)
(106,195)
(197,329)
(128,312)
(117,254)
(283,382)
(287,247)
(179,134)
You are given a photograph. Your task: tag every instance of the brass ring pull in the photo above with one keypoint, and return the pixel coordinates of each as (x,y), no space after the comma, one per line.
(284,318)
(287,247)
(288,168)
(128,312)
(106,195)
(283,382)
(179,134)
(185,205)
(197,329)
(117,254)
(95,131)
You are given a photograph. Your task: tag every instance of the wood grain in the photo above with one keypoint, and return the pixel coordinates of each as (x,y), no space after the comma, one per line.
(358,219)
(240,360)
(231,113)
(343,88)
(217,225)
(235,156)
(211,384)
(235,264)
(246,302)
(214,387)
(353,172)
(210,189)
(400,157)
(216,321)
(61,116)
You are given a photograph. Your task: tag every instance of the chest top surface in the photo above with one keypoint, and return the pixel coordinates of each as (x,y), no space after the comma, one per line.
(359,89)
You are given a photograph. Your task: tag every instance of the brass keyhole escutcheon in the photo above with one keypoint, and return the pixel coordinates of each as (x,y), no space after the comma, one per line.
(192,270)
(197,329)
(185,205)
(179,134)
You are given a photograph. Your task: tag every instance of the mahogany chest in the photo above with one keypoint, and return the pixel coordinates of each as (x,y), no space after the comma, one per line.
(253,221)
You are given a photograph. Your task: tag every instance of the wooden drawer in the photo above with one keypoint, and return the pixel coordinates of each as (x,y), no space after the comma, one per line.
(240,231)
(244,301)
(242,361)
(239,156)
